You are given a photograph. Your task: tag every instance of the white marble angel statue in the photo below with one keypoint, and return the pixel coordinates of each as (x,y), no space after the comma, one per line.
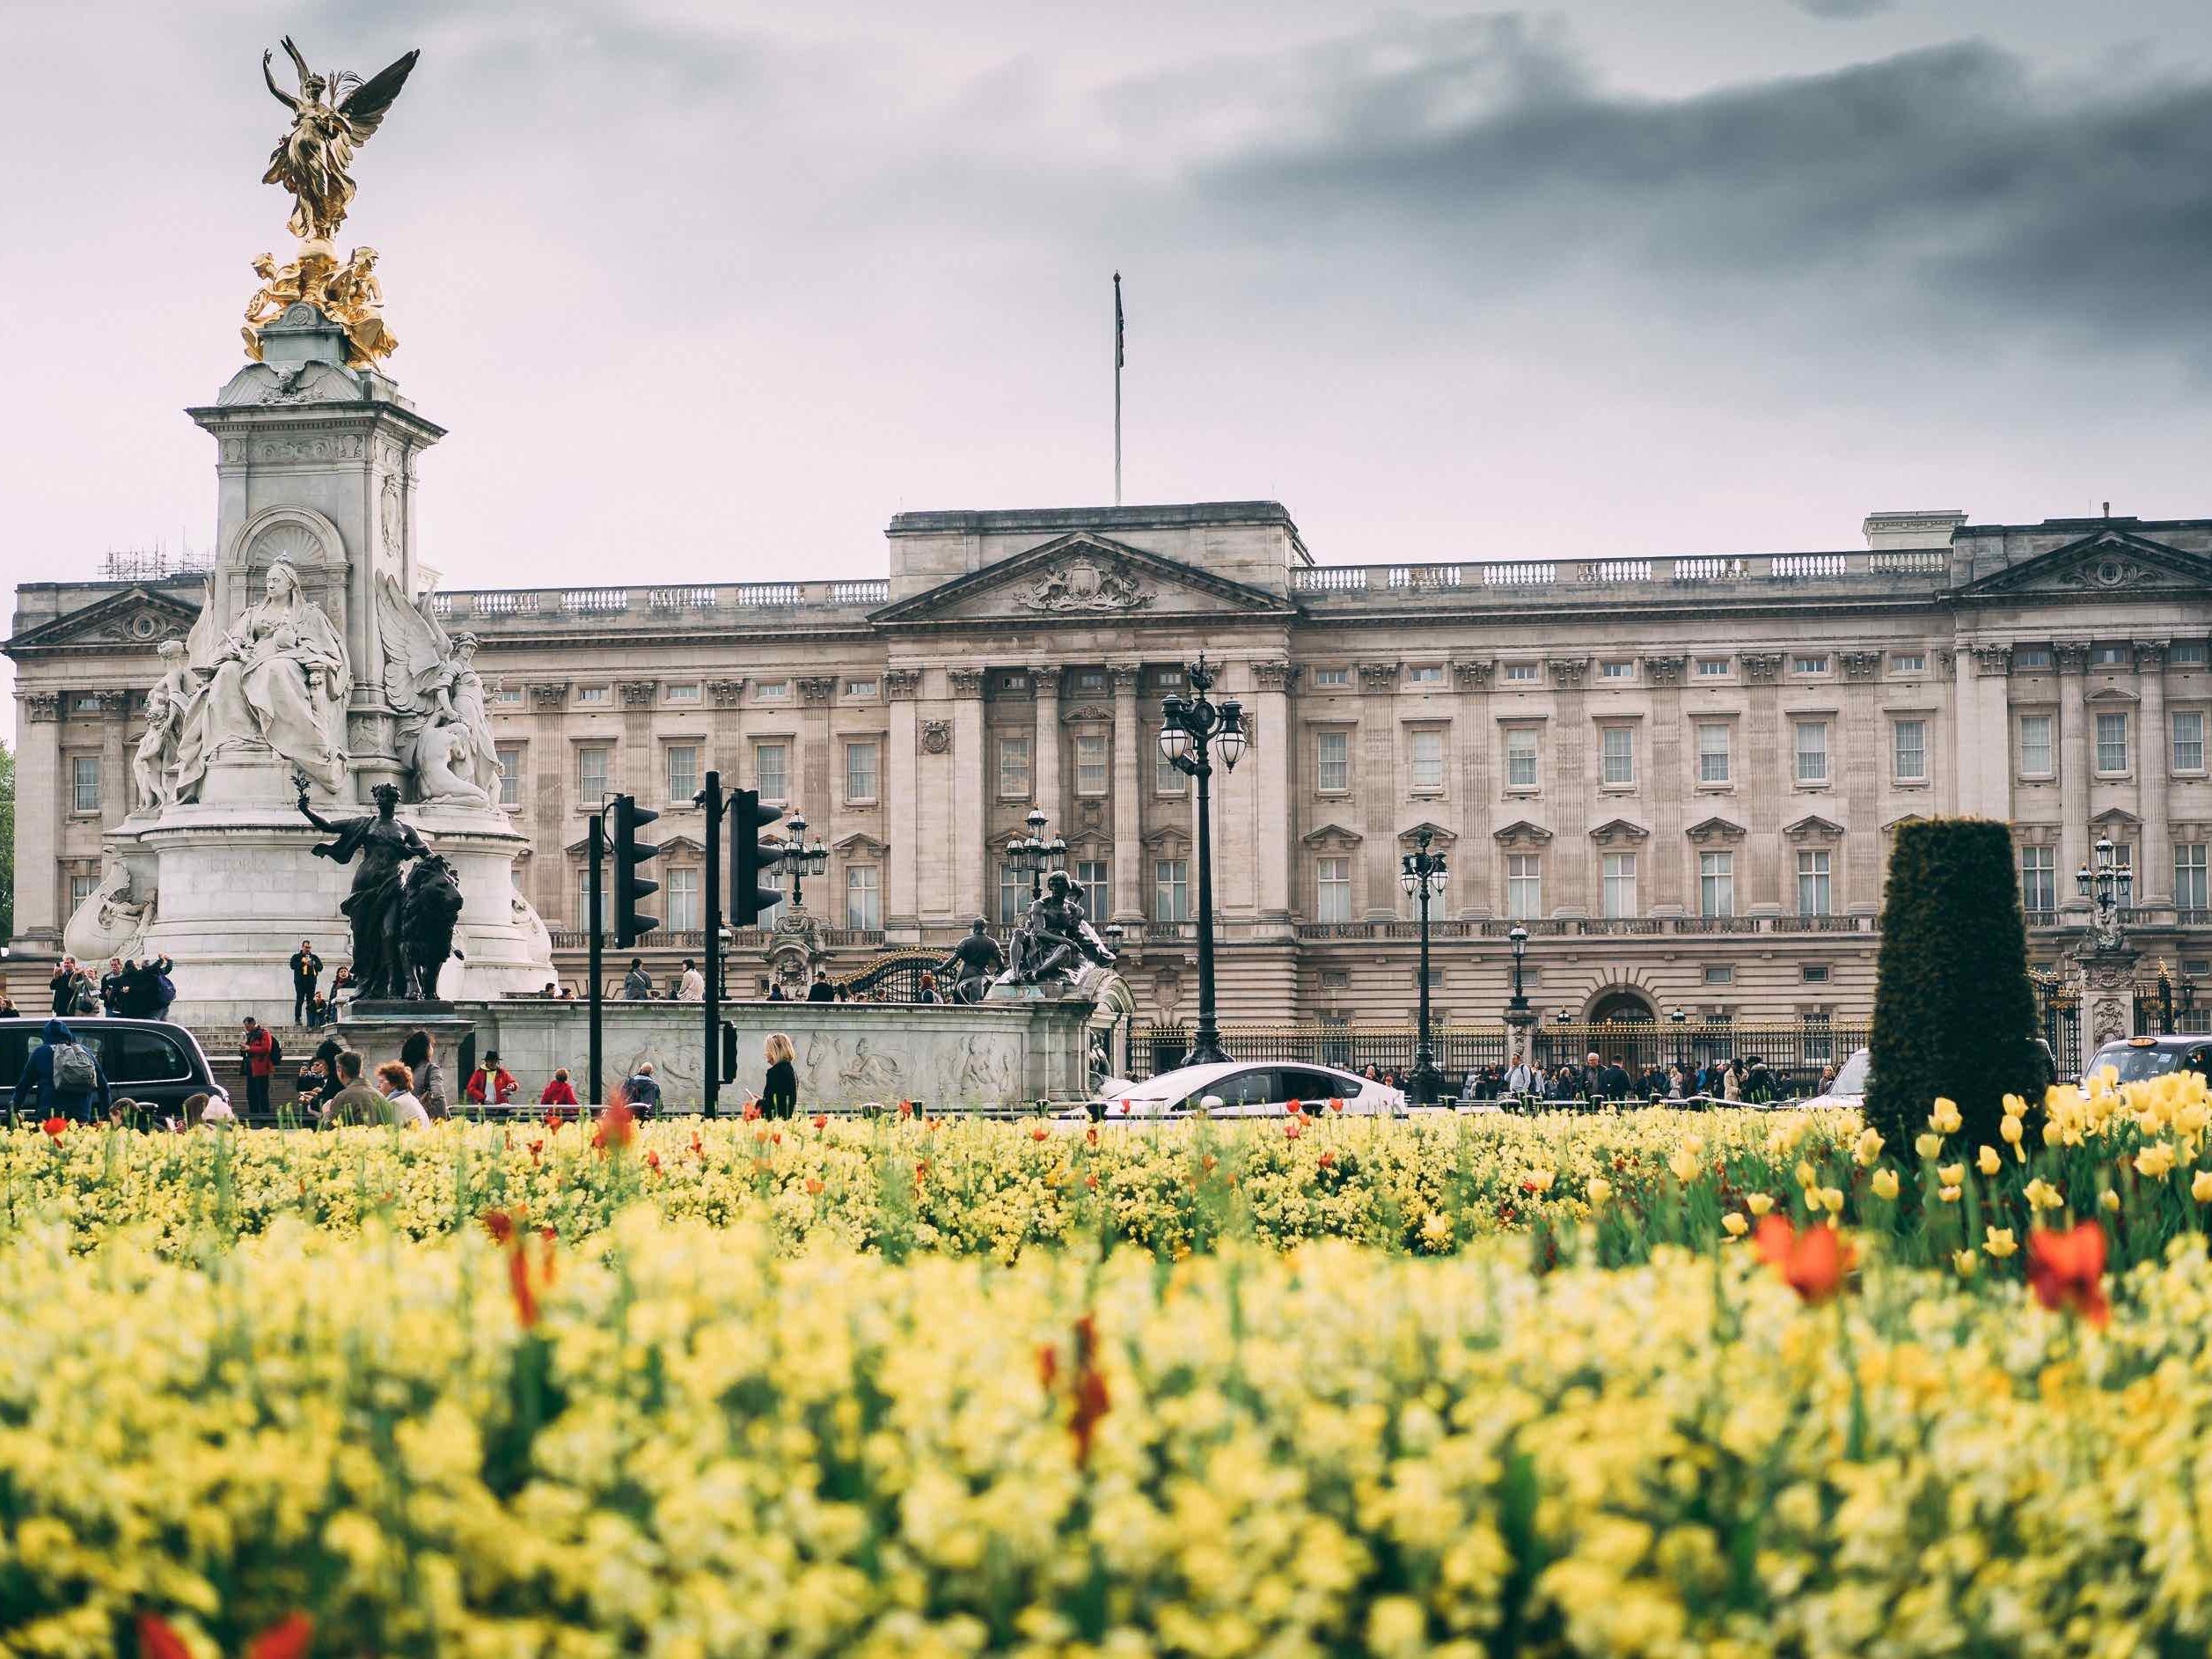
(279,677)
(431,682)
(170,707)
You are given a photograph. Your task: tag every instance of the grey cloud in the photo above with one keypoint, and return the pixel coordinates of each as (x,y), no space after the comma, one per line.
(1845,9)
(1939,185)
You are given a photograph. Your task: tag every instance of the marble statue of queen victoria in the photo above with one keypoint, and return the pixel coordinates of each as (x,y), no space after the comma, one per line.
(280,677)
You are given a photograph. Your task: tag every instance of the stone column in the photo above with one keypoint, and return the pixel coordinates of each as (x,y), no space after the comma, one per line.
(2074,752)
(1275,830)
(1476,737)
(1129,748)
(552,768)
(1768,771)
(1855,876)
(1567,880)
(1378,788)
(1044,757)
(2154,757)
(816,793)
(115,755)
(638,760)
(37,823)
(902,781)
(1661,888)
(969,778)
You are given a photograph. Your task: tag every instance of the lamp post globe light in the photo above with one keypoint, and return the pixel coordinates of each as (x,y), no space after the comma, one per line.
(1034,856)
(2110,885)
(1192,730)
(802,858)
(1421,873)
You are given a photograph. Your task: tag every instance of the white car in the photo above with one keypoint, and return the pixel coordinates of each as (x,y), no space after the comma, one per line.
(1246,1089)
(1850,1087)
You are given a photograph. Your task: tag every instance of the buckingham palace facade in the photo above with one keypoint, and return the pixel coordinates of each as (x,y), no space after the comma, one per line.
(1681,773)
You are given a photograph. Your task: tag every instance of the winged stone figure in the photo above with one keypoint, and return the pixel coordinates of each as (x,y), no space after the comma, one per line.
(332,116)
(431,681)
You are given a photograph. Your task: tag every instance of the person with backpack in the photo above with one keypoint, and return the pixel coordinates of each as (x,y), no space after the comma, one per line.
(61,1079)
(260,1054)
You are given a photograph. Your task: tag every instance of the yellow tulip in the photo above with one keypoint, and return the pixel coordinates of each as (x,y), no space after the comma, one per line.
(1834,1196)
(1951,1174)
(1599,1189)
(1539,1180)
(1949,1194)
(2155,1160)
(1884,1183)
(2040,1194)
(2014,1108)
(1683,1164)
(2200,1187)
(1869,1147)
(1944,1120)
(1986,1160)
(1999,1242)
(1928,1144)
(2010,1128)
(1734,1225)
(1759,1203)
(1966,1261)
(2109,1201)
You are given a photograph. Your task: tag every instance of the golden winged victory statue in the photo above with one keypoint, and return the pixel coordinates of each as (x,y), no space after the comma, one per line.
(332,115)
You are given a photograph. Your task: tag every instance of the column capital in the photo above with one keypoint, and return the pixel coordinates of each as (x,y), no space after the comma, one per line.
(1760,667)
(2151,654)
(902,684)
(1474,676)
(44,707)
(550,694)
(966,682)
(1991,661)
(727,694)
(1665,671)
(1275,676)
(1859,665)
(816,690)
(2071,656)
(1125,676)
(1567,672)
(1378,676)
(639,694)
(1045,679)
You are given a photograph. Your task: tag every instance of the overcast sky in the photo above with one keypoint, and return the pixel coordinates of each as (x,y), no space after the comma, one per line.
(710,291)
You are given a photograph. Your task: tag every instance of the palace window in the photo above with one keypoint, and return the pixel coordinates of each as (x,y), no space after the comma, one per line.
(1167,779)
(859,689)
(1332,677)
(591,694)
(1332,762)
(85,783)
(686,692)
(1520,757)
(82,886)
(1713,752)
(861,770)
(1091,877)
(2190,891)
(1424,674)
(2188,654)
(1619,885)
(2112,743)
(1090,763)
(1090,680)
(771,691)
(2108,656)
(1812,883)
(1813,665)
(683,773)
(511,776)
(1014,895)
(2038,879)
(508,695)
(1616,670)
(592,777)
(772,771)
(2031,656)
(1814,974)
(1813,751)
(1332,888)
(864,898)
(2189,740)
(1908,751)
(1909,662)
(1521,672)
(1170,890)
(1712,667)
(1014,769)
(1424,753)
(1719,973)
(683,900)
(1616,755)
(1716,883)
(1524,886)
(2035,745)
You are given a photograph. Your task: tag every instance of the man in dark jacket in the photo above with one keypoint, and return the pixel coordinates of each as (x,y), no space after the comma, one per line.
(306,967)
(61,1079)
(63,985)
(111,988)
(821,990)
(1612,1081)
(642,1089)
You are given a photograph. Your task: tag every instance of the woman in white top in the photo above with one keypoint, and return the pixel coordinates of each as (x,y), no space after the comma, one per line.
(397,1083)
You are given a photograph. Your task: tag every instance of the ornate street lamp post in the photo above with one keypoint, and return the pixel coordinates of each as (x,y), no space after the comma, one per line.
(800,857)
(1036,857)
(1191,729)
(2110,886)
(1518,1016)
(1681,1018)
(1422,874)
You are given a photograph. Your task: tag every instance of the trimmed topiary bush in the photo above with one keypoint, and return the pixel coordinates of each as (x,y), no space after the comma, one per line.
(1953,1012)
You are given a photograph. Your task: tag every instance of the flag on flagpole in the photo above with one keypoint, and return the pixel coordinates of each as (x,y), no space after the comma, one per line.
(1120,356)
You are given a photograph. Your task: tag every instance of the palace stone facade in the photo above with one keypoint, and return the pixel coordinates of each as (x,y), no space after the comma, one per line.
(1683,772)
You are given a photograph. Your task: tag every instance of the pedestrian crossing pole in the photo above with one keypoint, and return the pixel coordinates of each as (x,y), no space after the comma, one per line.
(1118,356)
(710,1071)
(598,884)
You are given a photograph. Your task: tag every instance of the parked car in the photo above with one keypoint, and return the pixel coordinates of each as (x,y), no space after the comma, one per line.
(152,1061)
(1245,1088)
(2136,1058)
(1850,1087)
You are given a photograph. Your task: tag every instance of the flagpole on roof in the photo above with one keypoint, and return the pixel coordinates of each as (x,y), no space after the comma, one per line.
(1117,363)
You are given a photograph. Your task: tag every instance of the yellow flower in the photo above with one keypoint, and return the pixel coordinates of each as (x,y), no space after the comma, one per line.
(1999,1242)
(2154,1160)
(2040,1194)
(1966,1261)
(2109,1201)
(1539,1180)
(1928,1144)
(1759,1203)
(1884,1184)
(1869,1147)
(1944,1120)
(1949,1194)
(1951,1174)
(1599,1188)
(1807,1176)
(1684,1164)
(1734,1225)
(1833,1197)
(2014,1108)
(1986,1160)
(2010,1128)
(2200,1187)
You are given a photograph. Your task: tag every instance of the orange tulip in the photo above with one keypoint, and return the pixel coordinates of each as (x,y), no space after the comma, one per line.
(1812,1263)
(2067,1271)
(287,1639)
(617,1126)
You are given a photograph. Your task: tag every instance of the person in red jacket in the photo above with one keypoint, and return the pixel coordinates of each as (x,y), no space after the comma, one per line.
(559,1091)
(491,1083)
(259,1057)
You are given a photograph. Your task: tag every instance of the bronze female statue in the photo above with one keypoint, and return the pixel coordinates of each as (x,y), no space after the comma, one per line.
(380,964)
(332,116)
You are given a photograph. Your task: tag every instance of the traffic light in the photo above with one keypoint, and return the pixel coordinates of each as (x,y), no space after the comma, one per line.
(749,860)
(629,921)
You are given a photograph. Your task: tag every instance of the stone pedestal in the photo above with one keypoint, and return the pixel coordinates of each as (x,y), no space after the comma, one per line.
(2105,979)
(377,1031)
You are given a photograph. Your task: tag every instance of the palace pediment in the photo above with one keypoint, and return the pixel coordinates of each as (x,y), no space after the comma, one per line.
(137,616)
(2107,560)
(1082,577)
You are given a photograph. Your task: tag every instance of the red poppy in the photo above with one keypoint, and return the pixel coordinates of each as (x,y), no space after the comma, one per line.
(906,1108)
(55,1127)
(2067,1271)
(698,1151)
(1813,1263)
(1327,1159)
(1039,1134)
(617,1126)
(536,1147)
(287,1638)
(552,1119)
(821,1120)
(1090,1135)
(158,1640)
(814,1188)
(653,1162)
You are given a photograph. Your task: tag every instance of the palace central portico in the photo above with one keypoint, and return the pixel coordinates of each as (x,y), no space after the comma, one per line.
(1682,773)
